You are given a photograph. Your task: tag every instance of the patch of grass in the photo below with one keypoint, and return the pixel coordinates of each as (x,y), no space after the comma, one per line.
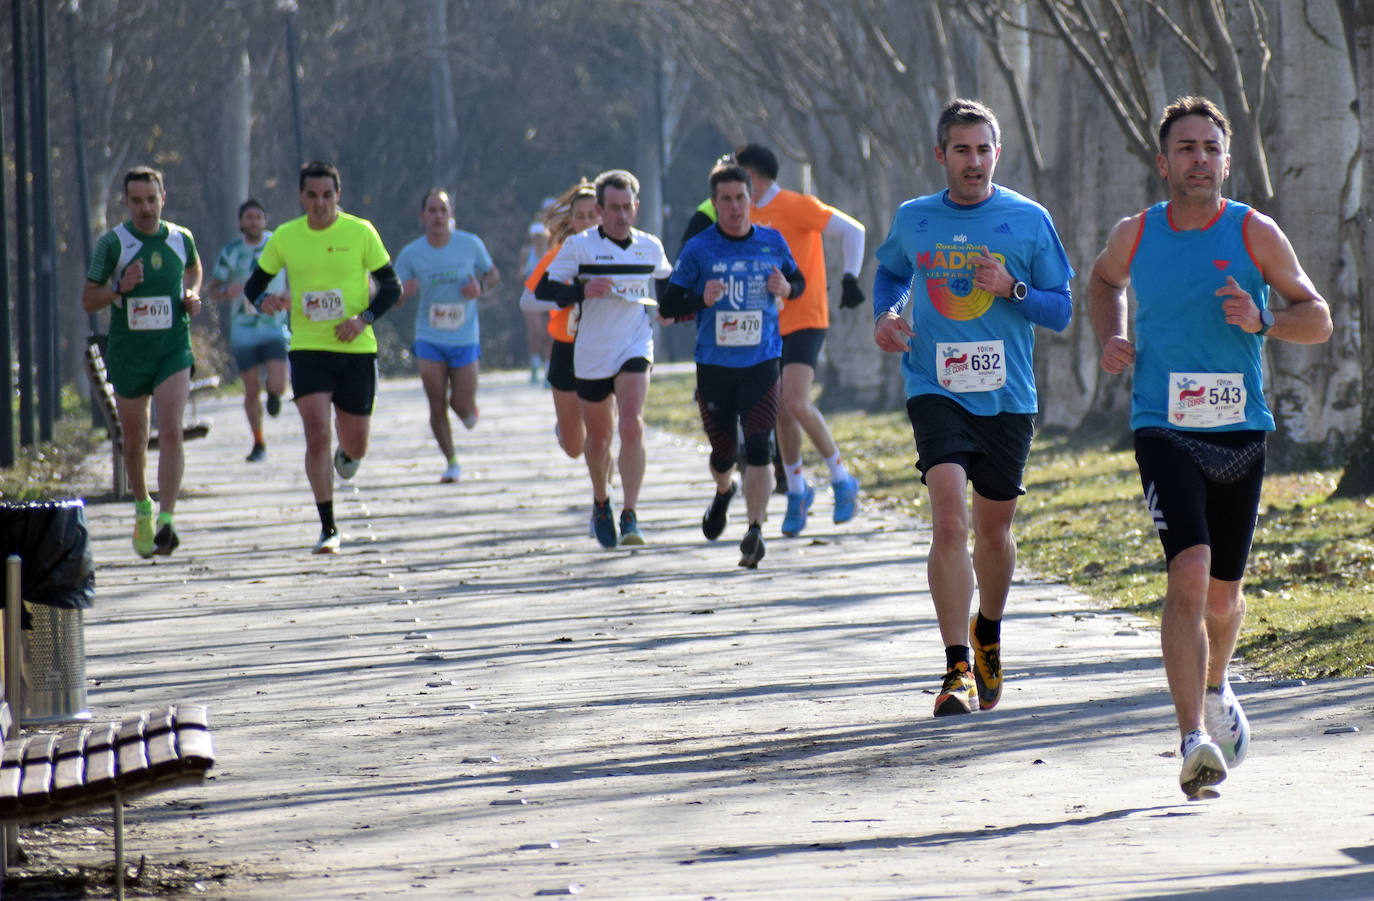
(47,470)
(1083,523)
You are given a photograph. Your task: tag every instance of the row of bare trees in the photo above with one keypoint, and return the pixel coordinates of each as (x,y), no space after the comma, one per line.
(508,101)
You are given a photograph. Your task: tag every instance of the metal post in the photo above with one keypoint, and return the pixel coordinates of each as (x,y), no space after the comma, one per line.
(119,846)
(6,358)
(44,236)
(295,83)
(11,675)
(23,253)
(14,688)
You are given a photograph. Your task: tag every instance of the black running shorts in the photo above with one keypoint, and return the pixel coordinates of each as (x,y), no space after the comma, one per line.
(1203,488)
(991,449)
(350,379)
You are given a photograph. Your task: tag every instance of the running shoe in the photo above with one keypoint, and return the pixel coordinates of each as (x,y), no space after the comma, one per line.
(846,498)
(779,472)
(752,549)
(166,540)
(958,693)
(258,453)
(273,404)
(629,529)
(987,669)
(144,543)
(1203,765)
(329,542)
(451,474)
(344,465)
(1226,722)
(798,505)
(713,522)
(603,523)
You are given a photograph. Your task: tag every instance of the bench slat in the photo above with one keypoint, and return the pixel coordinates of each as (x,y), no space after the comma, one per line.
(194,744)
(69,778)
(133,753)
(100,758)
(35,784)
(11,774)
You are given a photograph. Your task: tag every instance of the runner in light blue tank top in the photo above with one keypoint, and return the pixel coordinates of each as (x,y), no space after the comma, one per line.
(1204,269)
(1182,331)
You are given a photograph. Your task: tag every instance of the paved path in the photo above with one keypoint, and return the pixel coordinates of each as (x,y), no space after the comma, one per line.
(475,700)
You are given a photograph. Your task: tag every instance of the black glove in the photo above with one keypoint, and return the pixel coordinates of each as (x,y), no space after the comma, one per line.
(851,295)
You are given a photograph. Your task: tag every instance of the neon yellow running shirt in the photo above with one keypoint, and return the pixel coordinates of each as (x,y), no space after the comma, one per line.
(328,271)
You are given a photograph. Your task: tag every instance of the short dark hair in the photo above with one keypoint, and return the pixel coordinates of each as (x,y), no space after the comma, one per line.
(251,204)
(758,158)
(723,172)
(1192,105)
(963,111)
(318,169)
(144,173)
(615,178)
(424,201)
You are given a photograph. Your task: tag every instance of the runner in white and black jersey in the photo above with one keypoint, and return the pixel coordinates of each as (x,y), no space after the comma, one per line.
(608,272)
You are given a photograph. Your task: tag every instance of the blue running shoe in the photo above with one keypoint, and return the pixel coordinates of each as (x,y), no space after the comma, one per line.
(798,505)
(846,498)
(603,523)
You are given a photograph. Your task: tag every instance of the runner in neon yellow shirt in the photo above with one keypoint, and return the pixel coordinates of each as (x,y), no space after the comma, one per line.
(328,255)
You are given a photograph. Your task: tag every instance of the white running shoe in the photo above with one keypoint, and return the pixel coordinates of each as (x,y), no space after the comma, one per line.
(1203,765)
(452,473)
(1226,721)
(329,543)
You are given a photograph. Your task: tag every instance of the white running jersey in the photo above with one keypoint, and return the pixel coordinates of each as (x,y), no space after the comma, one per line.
(612,329)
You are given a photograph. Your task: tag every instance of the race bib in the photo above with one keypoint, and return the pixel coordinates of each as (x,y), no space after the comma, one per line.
(968,366)
(148,314)
(739,328)
(447,317)
(1206,400)
(635,290)
(323,306)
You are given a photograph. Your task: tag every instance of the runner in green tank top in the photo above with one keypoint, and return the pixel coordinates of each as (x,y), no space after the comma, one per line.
(147,272)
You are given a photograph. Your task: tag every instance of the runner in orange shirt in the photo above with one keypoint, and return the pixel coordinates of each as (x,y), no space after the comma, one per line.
(574,211)
(803,219)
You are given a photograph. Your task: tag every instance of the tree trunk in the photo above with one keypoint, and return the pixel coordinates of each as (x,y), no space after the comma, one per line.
(1358,478)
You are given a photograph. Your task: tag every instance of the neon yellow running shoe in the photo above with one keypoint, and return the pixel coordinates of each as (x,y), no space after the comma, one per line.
(143,530)
(987,668)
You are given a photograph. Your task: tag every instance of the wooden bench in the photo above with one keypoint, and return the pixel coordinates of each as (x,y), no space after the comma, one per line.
(46,776)
(103,396)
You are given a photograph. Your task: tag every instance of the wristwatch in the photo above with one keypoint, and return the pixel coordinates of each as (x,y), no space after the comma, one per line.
(1266,321)
(368,316)
(1019,290)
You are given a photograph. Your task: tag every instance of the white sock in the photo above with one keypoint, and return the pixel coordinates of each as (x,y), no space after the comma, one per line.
(837,471)
(796,481)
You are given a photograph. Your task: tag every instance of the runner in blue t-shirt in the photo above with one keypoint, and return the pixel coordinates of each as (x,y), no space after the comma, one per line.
(732,277)
(449,269)
(257,340)
(1202,267)
(981,266)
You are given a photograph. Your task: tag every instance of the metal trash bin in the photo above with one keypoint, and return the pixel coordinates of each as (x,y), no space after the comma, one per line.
(58,583)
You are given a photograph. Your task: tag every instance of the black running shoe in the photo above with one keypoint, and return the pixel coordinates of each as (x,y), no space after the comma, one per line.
(751,549)
(258,453)
(273,404)
(166,540)
(713,523)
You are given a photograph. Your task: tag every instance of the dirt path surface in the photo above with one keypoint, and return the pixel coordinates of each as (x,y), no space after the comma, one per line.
(475,700)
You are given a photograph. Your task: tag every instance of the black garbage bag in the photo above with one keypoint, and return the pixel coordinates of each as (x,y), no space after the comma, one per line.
(52,539)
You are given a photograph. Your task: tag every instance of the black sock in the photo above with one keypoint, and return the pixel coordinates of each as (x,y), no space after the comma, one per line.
(989,631)
(954,654)
(327,517)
